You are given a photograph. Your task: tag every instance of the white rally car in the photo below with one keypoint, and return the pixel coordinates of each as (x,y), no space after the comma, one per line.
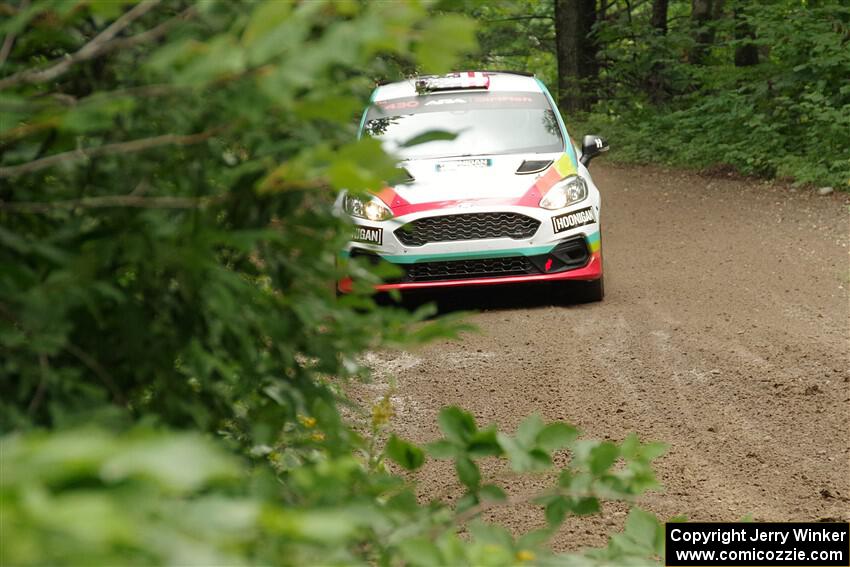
(505,201)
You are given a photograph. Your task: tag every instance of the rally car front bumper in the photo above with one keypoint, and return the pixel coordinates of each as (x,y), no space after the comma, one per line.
(446,252)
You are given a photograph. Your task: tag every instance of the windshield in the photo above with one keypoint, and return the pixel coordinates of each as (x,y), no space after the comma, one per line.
(484,124)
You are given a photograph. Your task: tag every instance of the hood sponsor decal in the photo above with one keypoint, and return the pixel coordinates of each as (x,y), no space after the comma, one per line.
(574,219)
(464,164)
(368,234)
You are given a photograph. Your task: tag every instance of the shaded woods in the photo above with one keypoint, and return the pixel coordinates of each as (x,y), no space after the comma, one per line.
(757,87)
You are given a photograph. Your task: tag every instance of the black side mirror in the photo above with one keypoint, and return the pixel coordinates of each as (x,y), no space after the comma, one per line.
(592,146)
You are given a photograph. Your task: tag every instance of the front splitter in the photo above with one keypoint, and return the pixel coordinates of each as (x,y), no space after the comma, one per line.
(590,271)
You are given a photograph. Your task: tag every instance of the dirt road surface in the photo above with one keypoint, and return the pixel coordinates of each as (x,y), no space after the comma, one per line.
(724,332)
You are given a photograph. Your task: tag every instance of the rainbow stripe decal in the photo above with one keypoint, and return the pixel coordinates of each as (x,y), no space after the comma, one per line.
(593,242)
(563,167)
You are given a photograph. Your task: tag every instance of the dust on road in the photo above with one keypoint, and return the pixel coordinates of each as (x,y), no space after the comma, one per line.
(724,332)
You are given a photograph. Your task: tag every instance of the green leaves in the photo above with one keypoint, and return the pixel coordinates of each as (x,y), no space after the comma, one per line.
(442,40)
(602,456)
(492,492)
(556,436)
(643,536)
(97,112)
(265,19)
(405,454)
(523,458)
(673,111)
(594,472)
(585,506)
(467,472)
(526,433)
(176,463)
(560,503)
(457,425)
(421,551)
(362,165)
(556,511)
(643,527)
(89,495)
(442,449)
(464,442)
(534,442)
(431,136)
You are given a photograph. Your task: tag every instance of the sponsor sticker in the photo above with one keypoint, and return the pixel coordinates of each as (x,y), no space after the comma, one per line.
(439,101)
(464,164)
(368,234)
(574,219)
(402,104)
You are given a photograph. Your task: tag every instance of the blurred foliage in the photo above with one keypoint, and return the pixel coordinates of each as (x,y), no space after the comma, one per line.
(787,116)
(162,282)
(515,36)
(89,497)
(172,351)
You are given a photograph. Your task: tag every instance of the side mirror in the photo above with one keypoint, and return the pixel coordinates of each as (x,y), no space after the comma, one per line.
(592,146)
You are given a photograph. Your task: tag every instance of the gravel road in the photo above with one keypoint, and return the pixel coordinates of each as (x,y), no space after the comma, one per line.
(724,332)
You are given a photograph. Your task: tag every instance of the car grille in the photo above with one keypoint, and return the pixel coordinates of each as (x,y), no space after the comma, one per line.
(470,226)
(460,269)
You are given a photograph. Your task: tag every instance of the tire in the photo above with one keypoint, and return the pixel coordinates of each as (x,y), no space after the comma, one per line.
(581,291)
(592,291)
(577,292)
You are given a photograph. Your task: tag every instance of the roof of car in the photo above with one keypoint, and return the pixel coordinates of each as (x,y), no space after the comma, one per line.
(500,81)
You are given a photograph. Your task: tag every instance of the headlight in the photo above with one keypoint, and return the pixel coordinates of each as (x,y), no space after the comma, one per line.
(570,190)
(372,209)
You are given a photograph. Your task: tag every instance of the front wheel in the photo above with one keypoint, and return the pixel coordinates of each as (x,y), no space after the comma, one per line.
(592,291)
(574,292)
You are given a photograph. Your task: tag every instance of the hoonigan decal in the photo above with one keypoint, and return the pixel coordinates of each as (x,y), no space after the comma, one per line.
(368,234)
(572,220)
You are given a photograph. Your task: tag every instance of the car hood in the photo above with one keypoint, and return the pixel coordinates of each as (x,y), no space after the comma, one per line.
(470,178)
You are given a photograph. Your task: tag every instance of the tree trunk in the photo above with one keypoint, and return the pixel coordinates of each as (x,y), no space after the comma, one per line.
(657,85)
(659,16)
(746,53)
(717,7)
(701,13)
(576,50)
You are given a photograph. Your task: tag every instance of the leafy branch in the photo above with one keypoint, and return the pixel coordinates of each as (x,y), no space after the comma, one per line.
(9,40)
(109,201)
(104,42)
(108,149)
(85,358)
(597,471)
